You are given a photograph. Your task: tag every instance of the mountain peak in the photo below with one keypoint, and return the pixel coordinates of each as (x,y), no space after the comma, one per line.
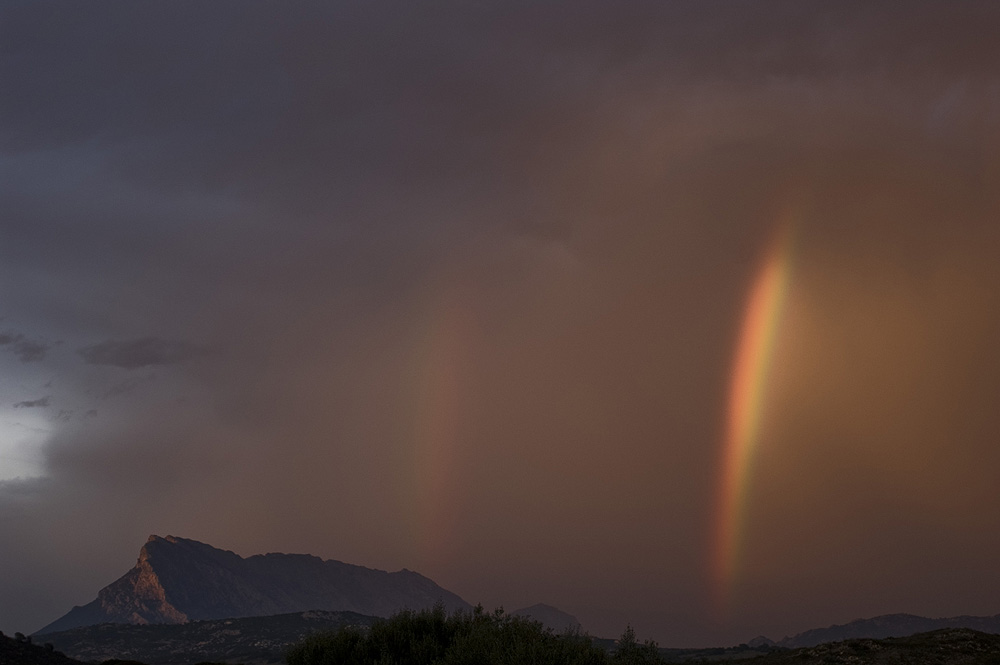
(176,580)
(549,616)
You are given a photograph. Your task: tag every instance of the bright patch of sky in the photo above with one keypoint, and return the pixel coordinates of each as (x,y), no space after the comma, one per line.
(28,413)
(23,432)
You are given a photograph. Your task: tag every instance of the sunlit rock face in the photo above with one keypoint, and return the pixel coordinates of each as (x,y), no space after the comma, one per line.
(177,580)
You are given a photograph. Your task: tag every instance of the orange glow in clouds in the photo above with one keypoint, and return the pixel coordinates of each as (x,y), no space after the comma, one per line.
(746,400)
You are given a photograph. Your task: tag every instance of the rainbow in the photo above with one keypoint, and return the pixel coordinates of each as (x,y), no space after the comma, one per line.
(747,389)
(442,354)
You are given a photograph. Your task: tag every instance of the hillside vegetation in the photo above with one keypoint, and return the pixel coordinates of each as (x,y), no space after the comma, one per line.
(948,646)
(250,640)
(19,650)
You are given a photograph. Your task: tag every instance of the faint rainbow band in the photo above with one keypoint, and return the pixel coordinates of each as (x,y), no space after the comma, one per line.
(442,353)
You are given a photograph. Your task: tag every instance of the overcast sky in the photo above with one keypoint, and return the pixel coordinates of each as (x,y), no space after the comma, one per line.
(457,287)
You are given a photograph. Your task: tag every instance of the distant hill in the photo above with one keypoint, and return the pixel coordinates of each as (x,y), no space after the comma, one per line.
(176,580)
(259,640)
(550,617)
(888,625)
(948,646)
(22,652)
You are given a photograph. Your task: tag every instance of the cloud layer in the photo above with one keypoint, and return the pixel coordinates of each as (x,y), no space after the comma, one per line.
(456,288)
(139,353)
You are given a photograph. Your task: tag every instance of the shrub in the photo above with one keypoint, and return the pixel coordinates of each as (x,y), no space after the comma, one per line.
(628,651)
(432,637)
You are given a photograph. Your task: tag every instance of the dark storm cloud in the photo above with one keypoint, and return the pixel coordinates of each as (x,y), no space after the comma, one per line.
(127,386)
(41,402)
(138,353)
(27,350)
(514,239)
(31,351)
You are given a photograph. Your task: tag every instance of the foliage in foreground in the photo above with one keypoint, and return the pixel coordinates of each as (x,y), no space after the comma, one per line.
(433,637)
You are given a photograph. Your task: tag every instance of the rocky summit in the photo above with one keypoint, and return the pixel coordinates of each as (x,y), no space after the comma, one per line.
(177,580)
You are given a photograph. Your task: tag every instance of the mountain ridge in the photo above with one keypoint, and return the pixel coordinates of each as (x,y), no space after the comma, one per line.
(176,580)
(886,626)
